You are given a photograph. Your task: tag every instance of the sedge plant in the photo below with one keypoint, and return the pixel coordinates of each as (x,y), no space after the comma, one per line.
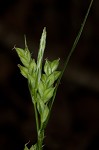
(43,81)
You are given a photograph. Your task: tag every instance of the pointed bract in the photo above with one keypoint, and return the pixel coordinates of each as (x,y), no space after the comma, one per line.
(54,64)
(24,71)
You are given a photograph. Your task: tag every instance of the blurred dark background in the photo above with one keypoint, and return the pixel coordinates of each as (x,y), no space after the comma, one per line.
(74,122)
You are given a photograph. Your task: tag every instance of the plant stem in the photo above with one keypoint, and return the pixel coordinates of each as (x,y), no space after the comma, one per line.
(40,133)
(36,118)
(35,109)
(40,139)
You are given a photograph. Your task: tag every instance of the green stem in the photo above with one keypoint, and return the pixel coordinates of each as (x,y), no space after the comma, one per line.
(40,139)
(40,133)
(35,109)
(36,118)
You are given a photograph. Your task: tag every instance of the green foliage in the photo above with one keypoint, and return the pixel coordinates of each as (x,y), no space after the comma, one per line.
(43,82)
(41,85)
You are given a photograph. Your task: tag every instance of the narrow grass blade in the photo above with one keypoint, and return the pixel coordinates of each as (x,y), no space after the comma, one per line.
(69,56)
